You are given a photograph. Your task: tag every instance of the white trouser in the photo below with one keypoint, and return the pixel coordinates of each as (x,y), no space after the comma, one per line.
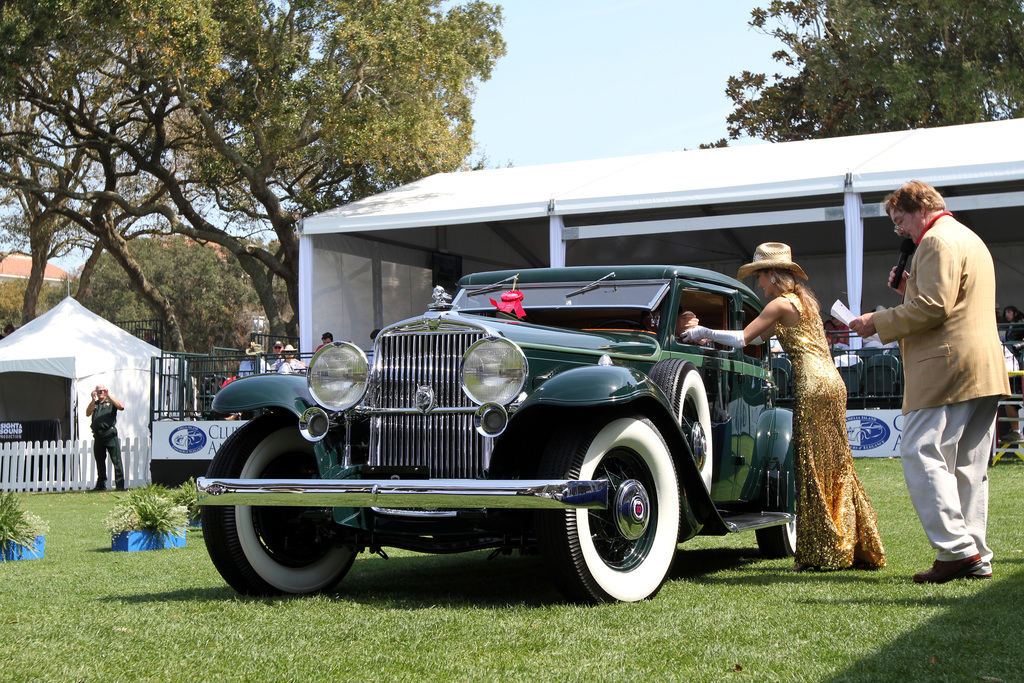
(945,452)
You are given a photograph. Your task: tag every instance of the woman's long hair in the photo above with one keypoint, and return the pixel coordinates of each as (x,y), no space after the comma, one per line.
(787,282)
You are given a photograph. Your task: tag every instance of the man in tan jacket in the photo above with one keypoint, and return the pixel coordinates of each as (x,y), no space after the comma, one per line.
(954,376)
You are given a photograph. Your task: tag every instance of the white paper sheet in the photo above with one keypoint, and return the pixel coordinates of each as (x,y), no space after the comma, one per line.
(839,310)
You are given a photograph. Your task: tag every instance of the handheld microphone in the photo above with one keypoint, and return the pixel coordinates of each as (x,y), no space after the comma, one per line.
(906,249)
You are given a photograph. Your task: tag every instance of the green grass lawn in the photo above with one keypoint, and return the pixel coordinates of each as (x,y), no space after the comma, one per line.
(84,613)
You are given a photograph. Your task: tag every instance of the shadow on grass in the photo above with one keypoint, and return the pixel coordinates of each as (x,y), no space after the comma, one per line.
(471,579)
(699,563)
(412,582)
(465,579)
(977,638)
(185,595)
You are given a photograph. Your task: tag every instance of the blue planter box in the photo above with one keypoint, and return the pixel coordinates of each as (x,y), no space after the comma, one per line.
(13,551)
(130,541)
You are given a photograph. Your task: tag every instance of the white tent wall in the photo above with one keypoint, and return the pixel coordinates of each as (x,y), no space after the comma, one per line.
(350,316)
(819,248)
(357,285)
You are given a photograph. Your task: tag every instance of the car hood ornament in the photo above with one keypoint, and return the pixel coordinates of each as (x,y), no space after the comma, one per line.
(442,300)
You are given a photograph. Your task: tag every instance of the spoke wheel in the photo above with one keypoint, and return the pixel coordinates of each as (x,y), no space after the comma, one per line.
(623,553)
(266,550)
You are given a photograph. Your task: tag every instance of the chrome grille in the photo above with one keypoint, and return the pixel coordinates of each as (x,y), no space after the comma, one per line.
(448,445)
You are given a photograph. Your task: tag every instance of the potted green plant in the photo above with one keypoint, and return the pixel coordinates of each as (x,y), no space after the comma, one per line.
(147,519)
(187,495)
(22,534)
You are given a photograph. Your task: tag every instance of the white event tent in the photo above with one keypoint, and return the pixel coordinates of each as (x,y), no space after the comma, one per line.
(49,367)
(374,261)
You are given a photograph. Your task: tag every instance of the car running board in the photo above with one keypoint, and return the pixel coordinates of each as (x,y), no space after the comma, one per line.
(755,520)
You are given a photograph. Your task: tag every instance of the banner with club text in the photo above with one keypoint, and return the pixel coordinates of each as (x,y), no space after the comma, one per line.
(874,433)
(190,440)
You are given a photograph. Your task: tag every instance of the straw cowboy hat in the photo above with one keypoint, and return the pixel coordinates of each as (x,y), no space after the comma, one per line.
(771,255)
(254,349)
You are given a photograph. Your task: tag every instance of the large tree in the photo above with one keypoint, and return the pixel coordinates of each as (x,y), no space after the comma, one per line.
(211,295)
(29,221)
(245,115)
(867,66)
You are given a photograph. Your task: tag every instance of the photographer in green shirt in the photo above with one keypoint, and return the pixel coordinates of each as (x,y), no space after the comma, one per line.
(103,410)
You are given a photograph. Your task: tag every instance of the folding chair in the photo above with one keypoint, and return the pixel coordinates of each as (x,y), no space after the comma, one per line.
(1001,448)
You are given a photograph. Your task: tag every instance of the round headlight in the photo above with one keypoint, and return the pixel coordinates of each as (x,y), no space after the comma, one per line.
(493,371)
(337,375)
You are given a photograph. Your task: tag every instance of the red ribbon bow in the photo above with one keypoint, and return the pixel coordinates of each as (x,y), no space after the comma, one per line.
(510,303)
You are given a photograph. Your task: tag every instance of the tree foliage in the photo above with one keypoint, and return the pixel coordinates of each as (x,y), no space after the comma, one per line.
(12,297)
(211,294)
(29,221)
(228,120)
(868,66)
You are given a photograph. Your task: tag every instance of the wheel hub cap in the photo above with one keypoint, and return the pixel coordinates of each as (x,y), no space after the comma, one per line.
(699,444)
(632,509)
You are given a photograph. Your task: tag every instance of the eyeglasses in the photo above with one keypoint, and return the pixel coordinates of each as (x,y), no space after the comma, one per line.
(897,225)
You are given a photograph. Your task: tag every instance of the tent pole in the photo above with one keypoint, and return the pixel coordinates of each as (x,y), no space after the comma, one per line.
(557,244)
(854,251)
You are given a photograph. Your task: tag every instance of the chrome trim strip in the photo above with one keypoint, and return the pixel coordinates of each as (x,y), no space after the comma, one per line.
(373,412)
(407,493)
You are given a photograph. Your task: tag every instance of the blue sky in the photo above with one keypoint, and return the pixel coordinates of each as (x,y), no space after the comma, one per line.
(589,79)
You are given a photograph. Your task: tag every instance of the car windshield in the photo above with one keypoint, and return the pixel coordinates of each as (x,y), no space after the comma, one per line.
(629,294)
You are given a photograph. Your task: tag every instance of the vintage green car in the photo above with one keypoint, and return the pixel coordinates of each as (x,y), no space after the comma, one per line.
(548,410)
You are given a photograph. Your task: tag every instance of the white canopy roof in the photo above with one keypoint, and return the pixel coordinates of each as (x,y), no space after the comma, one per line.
(71,341)
(977,153)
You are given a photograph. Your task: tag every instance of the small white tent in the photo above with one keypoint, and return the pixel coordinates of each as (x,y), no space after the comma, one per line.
(49,367)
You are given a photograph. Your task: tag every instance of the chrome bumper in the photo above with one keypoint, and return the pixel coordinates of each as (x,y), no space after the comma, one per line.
(406,493)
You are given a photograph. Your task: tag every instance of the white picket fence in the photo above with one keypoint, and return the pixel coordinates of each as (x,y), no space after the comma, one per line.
(67,465)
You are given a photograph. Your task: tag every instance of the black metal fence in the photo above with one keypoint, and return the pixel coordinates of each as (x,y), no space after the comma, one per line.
(150,331)
(873,376)
(184,385)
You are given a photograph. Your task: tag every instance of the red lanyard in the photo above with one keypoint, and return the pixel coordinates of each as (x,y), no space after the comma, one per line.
(930,224)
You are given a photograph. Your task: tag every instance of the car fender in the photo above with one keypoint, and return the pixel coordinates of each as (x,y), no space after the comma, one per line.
(595,385)
(264,391)
(618,386)
(771,469)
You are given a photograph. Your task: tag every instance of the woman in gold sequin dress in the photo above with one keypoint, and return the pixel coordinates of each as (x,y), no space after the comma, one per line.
(836,526)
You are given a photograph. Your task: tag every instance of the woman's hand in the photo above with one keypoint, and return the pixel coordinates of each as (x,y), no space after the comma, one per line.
(695,334)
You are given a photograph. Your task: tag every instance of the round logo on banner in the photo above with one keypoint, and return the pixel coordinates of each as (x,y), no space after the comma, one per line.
(187,439)
(866,432)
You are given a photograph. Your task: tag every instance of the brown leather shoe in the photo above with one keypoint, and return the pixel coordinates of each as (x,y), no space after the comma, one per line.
(941,571)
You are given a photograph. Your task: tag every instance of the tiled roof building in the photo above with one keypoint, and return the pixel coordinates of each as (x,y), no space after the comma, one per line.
(17,266)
